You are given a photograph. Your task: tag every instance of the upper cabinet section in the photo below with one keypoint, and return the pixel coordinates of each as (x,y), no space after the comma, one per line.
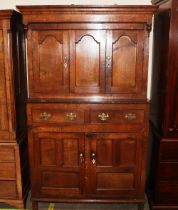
(91,53)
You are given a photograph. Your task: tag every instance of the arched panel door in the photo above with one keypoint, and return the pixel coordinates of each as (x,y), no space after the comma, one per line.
(87,61)
(124,62)
(48,70)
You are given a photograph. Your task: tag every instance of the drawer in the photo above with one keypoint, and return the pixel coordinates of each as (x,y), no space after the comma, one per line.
(7,153)
(8,170)
(169,150)
(167,192)
(117,116)
(61,115)
(8,189)
(169,171)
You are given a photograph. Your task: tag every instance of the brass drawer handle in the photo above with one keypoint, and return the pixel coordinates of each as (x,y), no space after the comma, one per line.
(103,116)
(130,116)
(71,116)
(45,116)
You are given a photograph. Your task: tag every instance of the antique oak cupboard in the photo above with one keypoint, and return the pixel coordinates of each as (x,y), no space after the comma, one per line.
(13,136)
(87,106)
(163,177)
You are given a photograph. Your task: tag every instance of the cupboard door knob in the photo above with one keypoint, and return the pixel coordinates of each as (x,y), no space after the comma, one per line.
(171,129)
(130,116)
(81,158)
(65,62)
(108,61)
(103,116)
(93,157)
(71,116)
(45,116)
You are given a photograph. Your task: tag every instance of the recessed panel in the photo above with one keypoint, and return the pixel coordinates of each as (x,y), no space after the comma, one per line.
(87,62)
(48,152)
(60,179)
(70,152)
(115,181)
(104,154)
(50,62)
(124,63)
(127,153)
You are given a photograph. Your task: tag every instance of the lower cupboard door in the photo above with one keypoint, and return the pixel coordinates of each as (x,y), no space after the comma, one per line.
(58,164)
(115,165)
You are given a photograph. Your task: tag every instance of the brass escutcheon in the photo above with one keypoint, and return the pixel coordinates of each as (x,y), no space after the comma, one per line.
(130,116)
(71,116)
(103,116)
(45,116)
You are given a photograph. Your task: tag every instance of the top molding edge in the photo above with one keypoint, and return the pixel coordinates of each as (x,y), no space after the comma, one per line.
(27,10)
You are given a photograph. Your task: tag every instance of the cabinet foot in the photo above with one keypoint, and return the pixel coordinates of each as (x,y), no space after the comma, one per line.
(34,205)
(141,206)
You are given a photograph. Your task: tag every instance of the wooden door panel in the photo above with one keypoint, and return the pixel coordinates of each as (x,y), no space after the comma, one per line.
(60,167)
(117,165)
(87,58)
(124,62)
(3,102)
(49,63)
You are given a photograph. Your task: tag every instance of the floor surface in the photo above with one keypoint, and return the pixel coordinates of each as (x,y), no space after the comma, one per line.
(63,206)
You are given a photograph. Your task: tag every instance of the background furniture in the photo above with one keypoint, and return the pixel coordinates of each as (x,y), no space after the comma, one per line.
(163,171)
(87,106)
(14,180)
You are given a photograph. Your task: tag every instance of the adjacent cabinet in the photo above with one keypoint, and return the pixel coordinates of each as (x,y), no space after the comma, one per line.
(163,171)
(87,108)
(14,178)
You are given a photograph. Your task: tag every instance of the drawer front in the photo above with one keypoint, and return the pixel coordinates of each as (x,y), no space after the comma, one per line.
(167,192)
(117,116)
(7,153)
(169,171)
(88,117)
(8,170)
(60,115)
(169,150)
(8,189)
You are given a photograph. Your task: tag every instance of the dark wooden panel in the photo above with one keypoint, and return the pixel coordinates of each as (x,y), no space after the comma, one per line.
(169,171)
(169,150)
(167,192)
